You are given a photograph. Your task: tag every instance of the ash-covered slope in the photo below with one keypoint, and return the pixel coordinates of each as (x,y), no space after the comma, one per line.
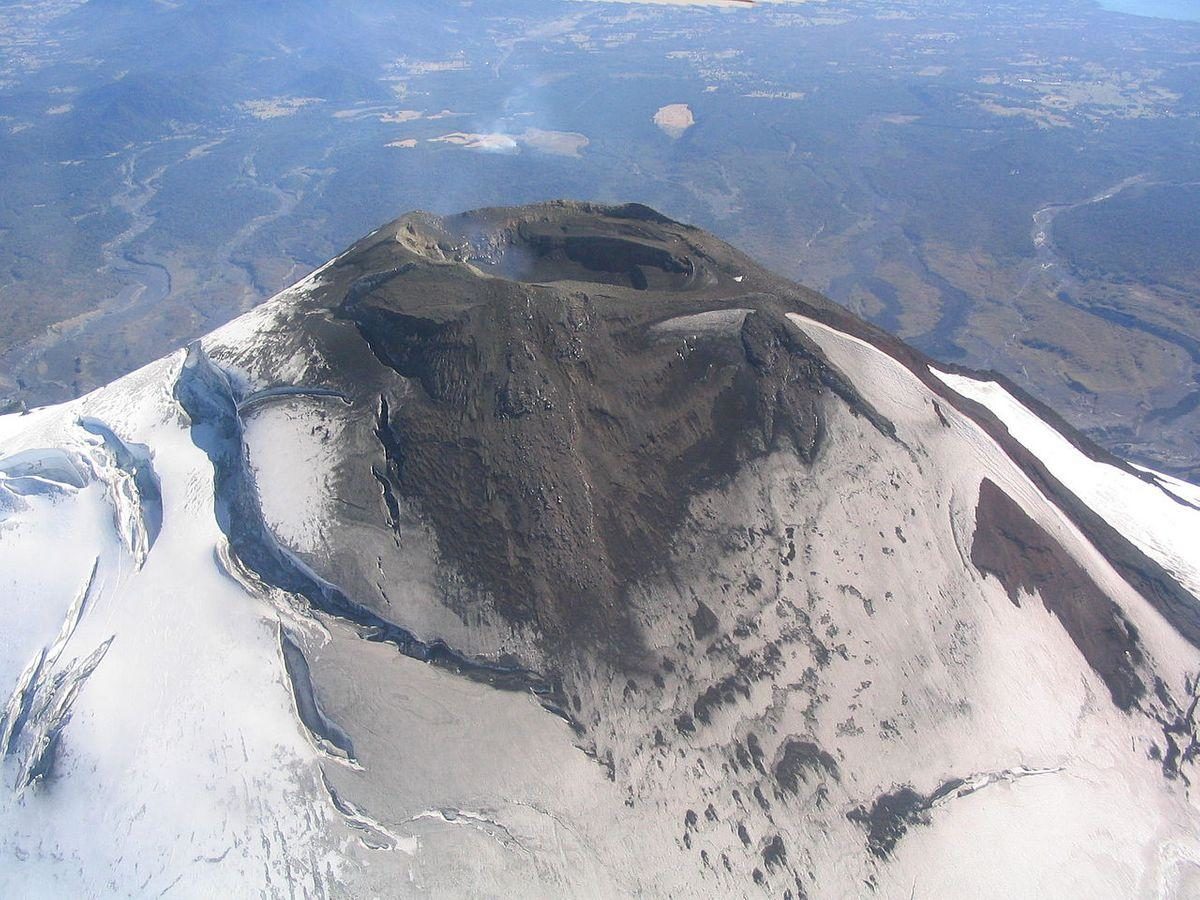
(563,551)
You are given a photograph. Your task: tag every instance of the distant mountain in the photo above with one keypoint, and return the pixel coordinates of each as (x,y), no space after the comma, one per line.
(339,84)
(133,110)
(562,551)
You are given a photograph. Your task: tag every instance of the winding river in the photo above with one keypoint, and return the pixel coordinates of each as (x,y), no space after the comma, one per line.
(1049,264)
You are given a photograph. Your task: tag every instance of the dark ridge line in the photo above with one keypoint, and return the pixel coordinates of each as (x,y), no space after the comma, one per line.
(1051,417)
(389,499)
(339,804)
(204,393)
(836,382)
(365,284)
(630,210)
(833,378)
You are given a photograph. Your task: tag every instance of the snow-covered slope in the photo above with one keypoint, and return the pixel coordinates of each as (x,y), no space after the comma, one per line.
(1148,511)
(563,552)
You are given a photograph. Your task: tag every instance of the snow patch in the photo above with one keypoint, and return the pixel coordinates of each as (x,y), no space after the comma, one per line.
(1164,529)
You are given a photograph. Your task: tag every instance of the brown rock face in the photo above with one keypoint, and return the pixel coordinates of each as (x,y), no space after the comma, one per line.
(1018,551)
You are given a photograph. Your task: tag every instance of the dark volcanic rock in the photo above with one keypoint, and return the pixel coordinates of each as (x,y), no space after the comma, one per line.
(1018,551)
(704,622)
(564,421)
(798,760)
(890,817)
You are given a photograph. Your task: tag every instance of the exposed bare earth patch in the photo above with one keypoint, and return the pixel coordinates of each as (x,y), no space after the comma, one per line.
(560,143)
(675,119)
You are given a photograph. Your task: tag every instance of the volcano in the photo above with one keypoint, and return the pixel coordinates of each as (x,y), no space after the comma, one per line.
(564,551)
